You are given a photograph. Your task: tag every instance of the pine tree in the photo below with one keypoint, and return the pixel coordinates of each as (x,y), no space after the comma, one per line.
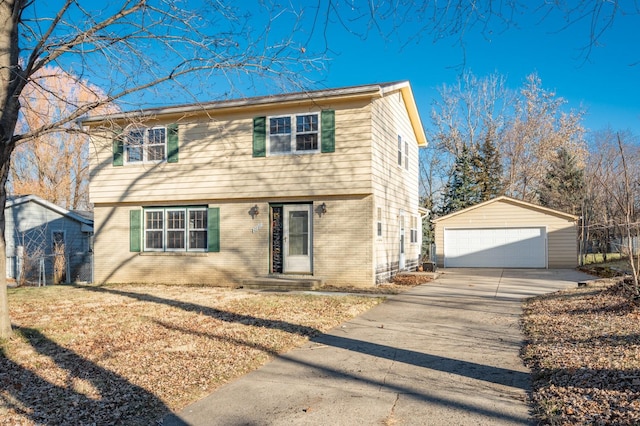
(462,189)
(563,186)
(488,165)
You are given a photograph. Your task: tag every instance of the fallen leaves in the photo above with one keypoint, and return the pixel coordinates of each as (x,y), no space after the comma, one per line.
(129,354)
(411,279)
(584,351)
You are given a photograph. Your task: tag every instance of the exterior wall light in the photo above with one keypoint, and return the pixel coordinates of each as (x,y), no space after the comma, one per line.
(323,208)
(254,211)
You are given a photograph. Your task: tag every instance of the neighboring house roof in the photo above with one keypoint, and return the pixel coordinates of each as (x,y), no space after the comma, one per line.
(17,200)
(513,201)
(370,90)
(86,214)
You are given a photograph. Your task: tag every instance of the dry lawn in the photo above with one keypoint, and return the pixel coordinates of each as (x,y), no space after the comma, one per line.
(129,354)
(584,350)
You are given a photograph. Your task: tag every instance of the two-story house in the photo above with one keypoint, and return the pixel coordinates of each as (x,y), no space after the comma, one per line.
(321,184)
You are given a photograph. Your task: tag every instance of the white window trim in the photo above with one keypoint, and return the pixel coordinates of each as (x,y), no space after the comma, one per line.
(145,230)
(406,154)
(379,223)
(293,134)
(184,230)
(415,221)
(165,229)
(400,147)
(145,145)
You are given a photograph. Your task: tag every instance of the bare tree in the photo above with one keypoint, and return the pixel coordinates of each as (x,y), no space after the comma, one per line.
(628,204)
(468,112)
(467,115)
(537,130)
(601,177)
(455,20)
(528,127)
(128,48)
(54,166)
(616,187)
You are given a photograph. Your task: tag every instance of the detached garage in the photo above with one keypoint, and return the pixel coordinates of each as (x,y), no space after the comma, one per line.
(506,233)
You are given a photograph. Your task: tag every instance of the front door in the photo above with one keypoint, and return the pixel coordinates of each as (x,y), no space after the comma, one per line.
(297,238)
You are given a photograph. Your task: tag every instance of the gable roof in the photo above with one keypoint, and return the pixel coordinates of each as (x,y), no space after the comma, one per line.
(17,200)
(352,92)
(520,203)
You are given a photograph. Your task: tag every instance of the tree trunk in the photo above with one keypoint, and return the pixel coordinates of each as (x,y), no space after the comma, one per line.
(5,320)
(12,81)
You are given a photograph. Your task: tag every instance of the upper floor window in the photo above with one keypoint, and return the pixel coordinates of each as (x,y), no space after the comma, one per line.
(406,155)
(294,133)
(144,144)
(297,133)
(139,144)
(399,150)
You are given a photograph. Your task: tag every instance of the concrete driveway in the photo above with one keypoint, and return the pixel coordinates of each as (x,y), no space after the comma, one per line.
(444,353)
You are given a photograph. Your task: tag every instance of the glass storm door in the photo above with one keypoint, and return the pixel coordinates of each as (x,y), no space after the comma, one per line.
(297,238)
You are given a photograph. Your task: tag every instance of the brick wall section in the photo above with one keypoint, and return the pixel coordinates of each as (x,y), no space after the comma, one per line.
(342,247)
(244,251)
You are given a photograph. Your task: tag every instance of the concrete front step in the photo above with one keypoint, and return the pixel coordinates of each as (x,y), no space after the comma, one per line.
(283,283)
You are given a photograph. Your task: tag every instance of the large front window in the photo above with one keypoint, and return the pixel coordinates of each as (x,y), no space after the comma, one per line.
(301,137)
(144,144)
(175,229)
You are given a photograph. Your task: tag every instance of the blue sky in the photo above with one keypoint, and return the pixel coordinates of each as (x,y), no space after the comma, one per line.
(605,83)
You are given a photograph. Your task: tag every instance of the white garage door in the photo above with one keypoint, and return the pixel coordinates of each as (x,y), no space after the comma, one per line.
(495,248)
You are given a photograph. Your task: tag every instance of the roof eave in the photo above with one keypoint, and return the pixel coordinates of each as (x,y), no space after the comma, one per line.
(345,93)
(54,207)
(412,109)
(513,201)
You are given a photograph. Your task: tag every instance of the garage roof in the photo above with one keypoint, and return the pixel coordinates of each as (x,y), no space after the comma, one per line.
(513,201)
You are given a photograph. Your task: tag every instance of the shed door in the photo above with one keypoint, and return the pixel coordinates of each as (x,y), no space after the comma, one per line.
(495,248)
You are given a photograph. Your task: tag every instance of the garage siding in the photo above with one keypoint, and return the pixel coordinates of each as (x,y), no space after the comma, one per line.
(506,213)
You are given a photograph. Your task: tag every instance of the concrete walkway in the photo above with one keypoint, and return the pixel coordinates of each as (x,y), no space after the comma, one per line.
(444,353)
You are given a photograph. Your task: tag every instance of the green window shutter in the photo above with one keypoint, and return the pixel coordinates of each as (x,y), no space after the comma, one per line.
(118,150)
(328,122)
(213,231)
(172,143)
(134,230)
(259,136)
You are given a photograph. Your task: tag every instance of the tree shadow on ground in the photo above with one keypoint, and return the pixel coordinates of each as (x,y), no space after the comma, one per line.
(481,372)
(413,392)
(87,394)
(221,315)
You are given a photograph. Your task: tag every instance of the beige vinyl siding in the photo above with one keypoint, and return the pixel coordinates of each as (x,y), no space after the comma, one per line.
(216,168)
(395,188)
(561,232)
(216,162)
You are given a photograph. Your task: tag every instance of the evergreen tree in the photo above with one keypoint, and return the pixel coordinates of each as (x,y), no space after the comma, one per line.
(462,189)
(488,165)
(563,187)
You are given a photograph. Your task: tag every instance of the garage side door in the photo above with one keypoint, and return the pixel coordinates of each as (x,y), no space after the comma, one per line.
(495,248)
